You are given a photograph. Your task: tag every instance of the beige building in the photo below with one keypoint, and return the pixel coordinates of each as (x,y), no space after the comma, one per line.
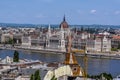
(115,41)
(57,39)
(101,44)
(17,39)
(26,41)
(61,71)
(6,37)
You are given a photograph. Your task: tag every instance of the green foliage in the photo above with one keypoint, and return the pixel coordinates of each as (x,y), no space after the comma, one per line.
(32,77)
(35,76)
(102,76)
(53,78)
(113,49)
(10,41)
(106,76)
(16,56)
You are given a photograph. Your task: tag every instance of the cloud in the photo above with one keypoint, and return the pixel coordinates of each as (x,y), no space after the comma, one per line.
(117,12)
(93,11)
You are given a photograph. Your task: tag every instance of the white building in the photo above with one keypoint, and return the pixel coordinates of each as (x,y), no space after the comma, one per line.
(56,40)
(26,41)
(102,44)
(6,37)
(7,60)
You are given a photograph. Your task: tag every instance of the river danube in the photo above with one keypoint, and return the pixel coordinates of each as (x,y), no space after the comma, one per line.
(95,66)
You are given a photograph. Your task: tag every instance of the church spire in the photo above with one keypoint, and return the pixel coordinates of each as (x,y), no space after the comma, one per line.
(49,30)
(64,18)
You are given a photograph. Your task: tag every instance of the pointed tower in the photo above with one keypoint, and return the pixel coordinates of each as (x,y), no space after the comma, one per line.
(64,24)
(49,31)
(48,36)
(71,59)
(62,41)
(64,19)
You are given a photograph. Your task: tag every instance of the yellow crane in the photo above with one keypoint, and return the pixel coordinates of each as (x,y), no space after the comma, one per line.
(83,51)
(69,50)
(78,51)
(85,63)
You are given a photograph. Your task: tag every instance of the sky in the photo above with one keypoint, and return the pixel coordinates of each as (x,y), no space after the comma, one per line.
(81,12)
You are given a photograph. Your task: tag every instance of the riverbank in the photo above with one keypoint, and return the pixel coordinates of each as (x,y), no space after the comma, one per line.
(95,65)
(53,51)
(100,55)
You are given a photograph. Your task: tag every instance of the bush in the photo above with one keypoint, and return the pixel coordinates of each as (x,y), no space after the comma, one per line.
(113,49)
(35,76)
(101,76)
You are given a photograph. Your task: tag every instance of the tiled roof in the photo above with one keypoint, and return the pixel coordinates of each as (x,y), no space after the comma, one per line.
(116,37)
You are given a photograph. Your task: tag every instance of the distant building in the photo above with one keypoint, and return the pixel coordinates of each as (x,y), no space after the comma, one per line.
(6,37)
(70,69)
(57,40)
(106,44)
(105,33)
(80,39)
(7,60)
(99,44)
(17,38)
(26,41)
(64,24)
(115,42)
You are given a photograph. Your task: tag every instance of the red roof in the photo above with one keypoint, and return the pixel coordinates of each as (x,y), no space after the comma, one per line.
(116,37)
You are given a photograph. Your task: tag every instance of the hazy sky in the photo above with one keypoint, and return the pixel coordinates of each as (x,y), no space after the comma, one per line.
(52,11)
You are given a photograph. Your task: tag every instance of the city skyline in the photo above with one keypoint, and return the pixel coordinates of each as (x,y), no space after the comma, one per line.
(52,11)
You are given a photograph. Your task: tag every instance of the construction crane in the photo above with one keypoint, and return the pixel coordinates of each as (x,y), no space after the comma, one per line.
(85,59)
(83,51)
(85,63)
(78,51)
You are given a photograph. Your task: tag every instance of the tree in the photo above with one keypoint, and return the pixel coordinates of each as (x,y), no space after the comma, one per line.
(102,76)
(10,41)
(16,56)
(37,75)
(106,76)
(32,77)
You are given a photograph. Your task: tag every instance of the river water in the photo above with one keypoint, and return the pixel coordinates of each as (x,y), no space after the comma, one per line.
(95,66)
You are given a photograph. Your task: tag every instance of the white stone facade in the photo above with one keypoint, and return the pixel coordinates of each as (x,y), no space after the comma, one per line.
(26,41)
(99,45)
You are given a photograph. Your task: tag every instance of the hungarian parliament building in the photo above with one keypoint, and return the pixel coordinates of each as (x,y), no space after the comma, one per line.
(56,38)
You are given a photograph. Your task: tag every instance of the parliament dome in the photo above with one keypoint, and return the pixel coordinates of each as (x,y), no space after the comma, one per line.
(64,24)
